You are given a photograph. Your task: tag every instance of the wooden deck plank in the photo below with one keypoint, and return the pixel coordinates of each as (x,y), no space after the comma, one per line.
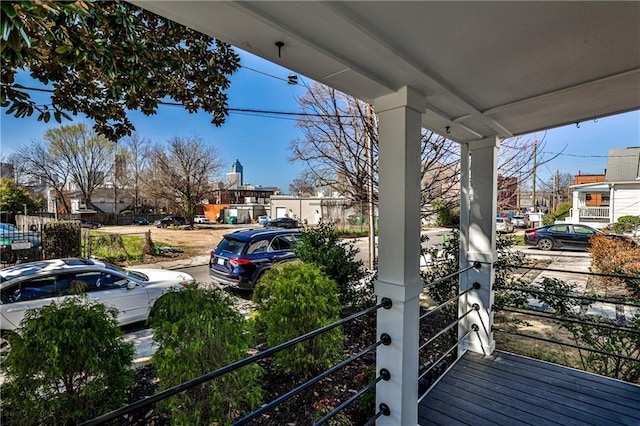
(540,401)
(565,388)
(509,389)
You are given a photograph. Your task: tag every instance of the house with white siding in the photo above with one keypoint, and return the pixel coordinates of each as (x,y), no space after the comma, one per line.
(621,188)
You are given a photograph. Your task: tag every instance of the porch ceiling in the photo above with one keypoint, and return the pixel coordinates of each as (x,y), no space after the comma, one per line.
(486,68)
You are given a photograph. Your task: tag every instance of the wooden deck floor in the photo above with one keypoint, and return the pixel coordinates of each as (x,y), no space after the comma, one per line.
(506,389)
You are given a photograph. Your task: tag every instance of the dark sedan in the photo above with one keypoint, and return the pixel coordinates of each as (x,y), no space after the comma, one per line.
(564,235)
(282,222)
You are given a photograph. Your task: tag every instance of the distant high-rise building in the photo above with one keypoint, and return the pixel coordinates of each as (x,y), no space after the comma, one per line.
(234,178)
(7,171)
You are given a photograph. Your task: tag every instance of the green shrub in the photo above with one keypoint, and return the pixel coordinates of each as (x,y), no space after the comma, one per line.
(561,213)
(446,215)
(199,331)
(292,300)
(322,247)
(626,224)
(67,364)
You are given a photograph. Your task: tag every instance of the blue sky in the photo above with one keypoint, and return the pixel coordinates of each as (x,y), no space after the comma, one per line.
(261,143)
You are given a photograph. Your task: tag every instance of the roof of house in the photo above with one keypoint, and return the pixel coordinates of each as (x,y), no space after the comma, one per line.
(623,164)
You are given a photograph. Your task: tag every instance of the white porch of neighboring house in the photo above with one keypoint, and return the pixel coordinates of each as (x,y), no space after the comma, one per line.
(596,216)
(624,200)
(476,72)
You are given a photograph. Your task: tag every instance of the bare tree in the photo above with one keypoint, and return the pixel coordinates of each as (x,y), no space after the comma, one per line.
(89,157)
(183,171)
(303,185)
(136,160)
(46,167)
(336,128)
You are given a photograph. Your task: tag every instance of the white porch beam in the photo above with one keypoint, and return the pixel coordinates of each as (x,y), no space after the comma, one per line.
(478,241)
(398,265)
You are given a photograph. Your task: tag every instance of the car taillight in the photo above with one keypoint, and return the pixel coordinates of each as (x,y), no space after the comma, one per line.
(238,261)
(530,233)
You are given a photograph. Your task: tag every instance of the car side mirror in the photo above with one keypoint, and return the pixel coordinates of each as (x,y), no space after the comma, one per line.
(131,285)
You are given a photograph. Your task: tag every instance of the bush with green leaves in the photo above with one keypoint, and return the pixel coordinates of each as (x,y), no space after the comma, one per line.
(322,247)
(561,213)
(199,331)
(68,363)
(446,213)
(294,299)
(448,262)
(615,343)
(626,224)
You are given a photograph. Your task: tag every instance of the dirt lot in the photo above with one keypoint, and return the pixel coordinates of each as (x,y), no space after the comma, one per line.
(194,242)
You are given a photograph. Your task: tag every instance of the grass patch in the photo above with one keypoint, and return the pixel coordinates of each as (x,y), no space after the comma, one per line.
(115,248)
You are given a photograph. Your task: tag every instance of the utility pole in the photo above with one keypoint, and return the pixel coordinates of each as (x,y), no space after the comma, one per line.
(372,216)
(533,185)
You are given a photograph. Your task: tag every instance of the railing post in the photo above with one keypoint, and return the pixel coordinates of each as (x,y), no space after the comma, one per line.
(399,242)
(478,241)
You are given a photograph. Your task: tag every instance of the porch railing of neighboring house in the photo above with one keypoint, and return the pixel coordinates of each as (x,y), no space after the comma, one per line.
(593,212)
(382,410)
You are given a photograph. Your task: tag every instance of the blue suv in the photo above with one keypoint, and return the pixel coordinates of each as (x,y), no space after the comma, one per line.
(243,256)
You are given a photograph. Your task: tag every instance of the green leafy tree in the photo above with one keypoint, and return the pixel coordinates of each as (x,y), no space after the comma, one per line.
(14,198)
(294,299)
(105,58)
(199,331)
(322,246)
(68,363)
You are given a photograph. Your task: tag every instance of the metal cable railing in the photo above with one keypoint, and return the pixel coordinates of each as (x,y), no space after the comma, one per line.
(539,268)
(568,320)
(384,339)
(574,318)
(440,363)
(431,311)
(475,265)
(571,345)
(570,296)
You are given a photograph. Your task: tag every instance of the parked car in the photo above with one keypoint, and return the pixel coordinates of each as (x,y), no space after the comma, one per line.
(504,225)
(519,221)
(16,244)
(132,292)
(170,220)
(89,224)
(282,222)
(565,235)
(242,257)
(263,219)
(140,221)
(201,219)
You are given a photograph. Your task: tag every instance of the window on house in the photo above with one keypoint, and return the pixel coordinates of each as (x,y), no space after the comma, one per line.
(605,199)
(588,197)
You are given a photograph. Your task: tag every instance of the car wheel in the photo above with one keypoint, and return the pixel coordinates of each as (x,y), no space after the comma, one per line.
(545,244)
(7,256)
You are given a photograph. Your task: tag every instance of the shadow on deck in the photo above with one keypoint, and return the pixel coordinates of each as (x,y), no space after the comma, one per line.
(507,389)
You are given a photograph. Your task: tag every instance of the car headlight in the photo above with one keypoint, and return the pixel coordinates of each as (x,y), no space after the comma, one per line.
(186,281)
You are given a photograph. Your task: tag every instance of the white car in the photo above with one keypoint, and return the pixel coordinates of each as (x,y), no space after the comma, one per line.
(504,225)
(131,291)
(201,219)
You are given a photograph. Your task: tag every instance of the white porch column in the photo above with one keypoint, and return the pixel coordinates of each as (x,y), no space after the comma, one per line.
(399,245)
(478,241)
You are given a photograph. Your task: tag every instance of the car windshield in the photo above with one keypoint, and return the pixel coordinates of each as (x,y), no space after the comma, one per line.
(229,245)
(133,274)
